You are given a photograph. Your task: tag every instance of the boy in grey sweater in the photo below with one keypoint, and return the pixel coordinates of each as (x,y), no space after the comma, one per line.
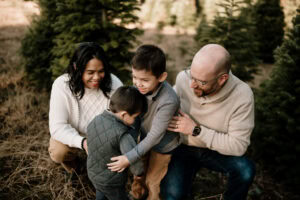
(110,134)
(149,75)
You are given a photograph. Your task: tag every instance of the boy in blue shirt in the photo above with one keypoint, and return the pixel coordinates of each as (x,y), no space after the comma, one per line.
(149,76)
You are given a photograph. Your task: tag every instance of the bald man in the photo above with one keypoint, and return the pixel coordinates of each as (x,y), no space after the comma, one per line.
(216,121)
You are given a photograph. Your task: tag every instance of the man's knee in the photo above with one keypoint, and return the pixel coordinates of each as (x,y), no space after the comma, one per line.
(172,193)
(173,189)
(57,151)
(246,170)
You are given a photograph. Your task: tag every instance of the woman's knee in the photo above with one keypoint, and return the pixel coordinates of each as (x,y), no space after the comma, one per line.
(57,151)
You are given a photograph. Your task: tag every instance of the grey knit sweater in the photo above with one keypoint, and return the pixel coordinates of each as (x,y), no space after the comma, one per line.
(163,104)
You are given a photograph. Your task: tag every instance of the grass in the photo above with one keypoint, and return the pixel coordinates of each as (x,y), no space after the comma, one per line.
(26,170)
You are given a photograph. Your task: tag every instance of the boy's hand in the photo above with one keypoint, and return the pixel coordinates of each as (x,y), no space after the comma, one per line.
(183,124)
(121,162)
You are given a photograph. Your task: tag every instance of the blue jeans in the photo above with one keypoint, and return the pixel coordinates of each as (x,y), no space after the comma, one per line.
(112,193)
(100,195)
(185,163)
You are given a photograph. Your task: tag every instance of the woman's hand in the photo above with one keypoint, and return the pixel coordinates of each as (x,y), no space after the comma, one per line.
(182,124)
(120,163)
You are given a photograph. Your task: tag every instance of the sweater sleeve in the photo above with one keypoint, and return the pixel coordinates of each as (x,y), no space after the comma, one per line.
(158,128)
(60,128)
(236,141)
(116,83)
(127,143)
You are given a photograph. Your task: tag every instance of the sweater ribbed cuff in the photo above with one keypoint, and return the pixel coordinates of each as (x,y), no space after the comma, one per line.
(207,136)
(77,141)
(132,156)
(82,143)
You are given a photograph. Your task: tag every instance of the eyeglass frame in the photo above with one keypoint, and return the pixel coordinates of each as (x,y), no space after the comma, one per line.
(200,82)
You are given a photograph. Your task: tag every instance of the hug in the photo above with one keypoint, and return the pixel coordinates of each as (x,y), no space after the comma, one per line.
(163,134)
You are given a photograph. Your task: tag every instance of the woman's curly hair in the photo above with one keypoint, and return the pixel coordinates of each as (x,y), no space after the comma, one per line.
(82,55)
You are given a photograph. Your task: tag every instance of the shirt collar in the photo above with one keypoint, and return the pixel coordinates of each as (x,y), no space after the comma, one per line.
(108,112)
(155,94)
(223,92)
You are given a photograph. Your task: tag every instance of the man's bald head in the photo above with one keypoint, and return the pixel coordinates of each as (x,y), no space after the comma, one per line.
(212,58)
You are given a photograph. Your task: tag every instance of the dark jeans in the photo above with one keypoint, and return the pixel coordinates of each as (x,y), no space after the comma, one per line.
(112,193)
(100,195)
(186,161)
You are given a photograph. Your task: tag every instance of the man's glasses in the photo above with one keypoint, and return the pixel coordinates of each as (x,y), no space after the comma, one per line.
(199,82)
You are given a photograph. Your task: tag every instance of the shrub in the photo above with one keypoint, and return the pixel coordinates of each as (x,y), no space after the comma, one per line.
(233,29)
(52,38)
(269,22)
(276,136)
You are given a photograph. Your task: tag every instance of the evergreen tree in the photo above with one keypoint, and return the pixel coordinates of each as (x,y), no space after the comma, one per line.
(37,44)
(277,133)
(65,23)
(233,29)
(269,21)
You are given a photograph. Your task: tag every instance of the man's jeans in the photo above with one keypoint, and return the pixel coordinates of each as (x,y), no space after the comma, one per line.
(185,163)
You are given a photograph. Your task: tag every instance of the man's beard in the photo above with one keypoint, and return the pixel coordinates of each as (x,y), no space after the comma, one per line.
(205,92)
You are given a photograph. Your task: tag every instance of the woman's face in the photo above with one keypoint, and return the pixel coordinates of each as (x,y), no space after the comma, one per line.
(93,73)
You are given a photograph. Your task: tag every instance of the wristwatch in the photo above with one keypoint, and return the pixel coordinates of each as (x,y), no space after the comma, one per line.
(196,131)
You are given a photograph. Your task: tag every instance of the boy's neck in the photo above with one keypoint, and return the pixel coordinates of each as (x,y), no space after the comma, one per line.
(153,91)
(118,115)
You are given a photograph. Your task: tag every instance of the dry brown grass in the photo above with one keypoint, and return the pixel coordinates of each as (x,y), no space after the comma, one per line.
(26,171)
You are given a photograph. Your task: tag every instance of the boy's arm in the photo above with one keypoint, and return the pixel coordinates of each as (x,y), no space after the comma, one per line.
(158,128)
(127,142)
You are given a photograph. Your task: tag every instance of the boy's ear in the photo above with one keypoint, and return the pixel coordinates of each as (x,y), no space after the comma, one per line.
(123,114)
(163,77)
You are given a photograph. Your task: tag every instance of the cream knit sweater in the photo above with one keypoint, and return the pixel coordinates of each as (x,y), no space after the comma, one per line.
(68,117)
(226,118)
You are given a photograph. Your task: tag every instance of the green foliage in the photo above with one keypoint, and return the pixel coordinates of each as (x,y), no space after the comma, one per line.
(233,28)
(173,20)
(269,22)
(64,23)
(37,44)
(277,133)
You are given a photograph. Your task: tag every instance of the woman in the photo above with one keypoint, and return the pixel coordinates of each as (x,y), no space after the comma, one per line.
(76,98)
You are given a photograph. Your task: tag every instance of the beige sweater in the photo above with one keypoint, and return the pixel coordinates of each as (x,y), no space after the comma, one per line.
(226,118)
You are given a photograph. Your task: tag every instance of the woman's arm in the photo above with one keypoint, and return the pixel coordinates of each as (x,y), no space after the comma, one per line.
(59,116)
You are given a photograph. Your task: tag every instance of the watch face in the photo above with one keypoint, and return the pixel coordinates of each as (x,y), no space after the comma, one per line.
(196,131)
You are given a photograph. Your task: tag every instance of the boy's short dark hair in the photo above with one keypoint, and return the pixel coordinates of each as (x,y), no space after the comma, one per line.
(129,99)
(149,58)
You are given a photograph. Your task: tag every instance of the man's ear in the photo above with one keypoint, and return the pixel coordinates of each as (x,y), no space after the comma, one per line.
(163,77)
(223,79)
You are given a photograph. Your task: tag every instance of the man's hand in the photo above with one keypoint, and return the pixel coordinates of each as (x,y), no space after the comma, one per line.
(121,162)
(183,124)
